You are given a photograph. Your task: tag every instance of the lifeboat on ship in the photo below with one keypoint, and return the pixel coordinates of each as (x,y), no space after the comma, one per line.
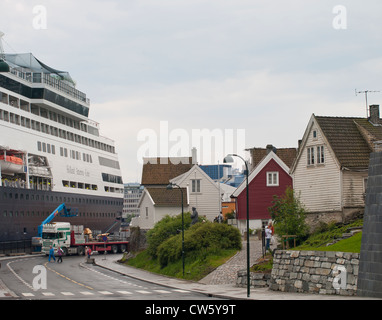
(11,164)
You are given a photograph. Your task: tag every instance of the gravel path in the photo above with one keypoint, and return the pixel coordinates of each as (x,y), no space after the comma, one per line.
(227,273)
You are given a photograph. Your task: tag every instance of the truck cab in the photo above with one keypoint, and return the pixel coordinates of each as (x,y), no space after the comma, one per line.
(56,235)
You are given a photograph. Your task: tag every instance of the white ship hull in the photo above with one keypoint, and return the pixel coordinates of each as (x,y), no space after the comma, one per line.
(51,153)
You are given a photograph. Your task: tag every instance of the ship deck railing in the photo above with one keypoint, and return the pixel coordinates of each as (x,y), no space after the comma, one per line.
(46,78)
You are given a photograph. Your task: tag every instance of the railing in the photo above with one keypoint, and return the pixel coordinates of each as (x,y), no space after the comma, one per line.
(13,247)
(37,77)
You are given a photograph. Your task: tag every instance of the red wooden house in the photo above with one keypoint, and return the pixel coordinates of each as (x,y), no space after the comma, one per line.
(269,177)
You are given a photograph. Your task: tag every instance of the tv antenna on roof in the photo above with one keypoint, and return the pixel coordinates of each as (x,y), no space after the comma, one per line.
(366,93)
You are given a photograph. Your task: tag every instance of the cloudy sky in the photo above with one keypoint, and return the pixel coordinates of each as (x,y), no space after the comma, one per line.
(157,71)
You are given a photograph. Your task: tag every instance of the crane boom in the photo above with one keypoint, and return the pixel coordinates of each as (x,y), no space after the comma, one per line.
(61,210)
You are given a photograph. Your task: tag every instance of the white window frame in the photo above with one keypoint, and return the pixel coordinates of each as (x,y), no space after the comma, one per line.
(310,156)
(320,155)
(195,185)
(273,179)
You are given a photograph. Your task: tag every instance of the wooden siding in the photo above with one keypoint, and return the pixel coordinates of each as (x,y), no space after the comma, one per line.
(207,202)
(155,214)
(261,196)
(318,185)
(143,221)
(354,189)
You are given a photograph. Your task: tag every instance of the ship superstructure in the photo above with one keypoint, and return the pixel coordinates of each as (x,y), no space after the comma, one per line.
(51,152)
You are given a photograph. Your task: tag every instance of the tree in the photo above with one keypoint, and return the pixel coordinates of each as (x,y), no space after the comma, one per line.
(288,215)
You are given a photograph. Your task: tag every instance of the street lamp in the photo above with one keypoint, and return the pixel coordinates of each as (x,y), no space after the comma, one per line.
(229,159)
(170,187)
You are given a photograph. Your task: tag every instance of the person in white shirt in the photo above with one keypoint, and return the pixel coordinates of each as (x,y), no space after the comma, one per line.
(268,237)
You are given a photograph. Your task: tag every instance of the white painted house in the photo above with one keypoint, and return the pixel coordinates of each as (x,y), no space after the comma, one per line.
(331,168)
(198,190)
(156,203)
(204,193)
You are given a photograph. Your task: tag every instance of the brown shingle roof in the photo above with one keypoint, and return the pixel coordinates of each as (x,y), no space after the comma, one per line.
(351,144)
(168,198)
(159,171)
(287,155)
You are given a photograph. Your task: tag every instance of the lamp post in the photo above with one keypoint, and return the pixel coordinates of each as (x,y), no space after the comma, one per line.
(229,159)
(170,187)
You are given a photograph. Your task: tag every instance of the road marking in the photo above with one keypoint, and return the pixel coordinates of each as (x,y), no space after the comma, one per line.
(105,292)
(124,292)
(87,293)
(181,291)
(67,293)
(28,294)
(61,275)
(143,291)
(162,291)
(17,276)
(48,294)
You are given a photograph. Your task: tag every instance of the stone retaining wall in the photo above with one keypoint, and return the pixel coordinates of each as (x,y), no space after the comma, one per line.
(256,280)
(320,272)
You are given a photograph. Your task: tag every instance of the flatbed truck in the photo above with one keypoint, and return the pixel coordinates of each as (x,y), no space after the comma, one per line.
(73,240)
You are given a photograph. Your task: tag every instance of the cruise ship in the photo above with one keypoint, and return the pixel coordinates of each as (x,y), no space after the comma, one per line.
(51,152)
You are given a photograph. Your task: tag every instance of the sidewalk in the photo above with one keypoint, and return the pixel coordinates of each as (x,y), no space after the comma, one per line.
(224,290)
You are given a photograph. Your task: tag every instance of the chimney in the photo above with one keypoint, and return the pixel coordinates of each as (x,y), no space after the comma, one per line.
(271,148)
(194,152)
(374,114)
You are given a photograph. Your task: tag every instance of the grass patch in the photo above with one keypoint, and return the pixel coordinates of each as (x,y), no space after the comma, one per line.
(319,240)
(263,265)
(352,244)
(196,266)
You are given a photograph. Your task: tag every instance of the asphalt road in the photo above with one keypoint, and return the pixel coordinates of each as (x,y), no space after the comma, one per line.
(35,278)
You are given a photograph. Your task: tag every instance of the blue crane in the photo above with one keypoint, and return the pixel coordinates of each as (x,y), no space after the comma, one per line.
(61,210)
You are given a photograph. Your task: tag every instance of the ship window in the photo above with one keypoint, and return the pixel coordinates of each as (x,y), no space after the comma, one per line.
(65,183)
(44,113)
(24,105)
(39,145)
(34,109)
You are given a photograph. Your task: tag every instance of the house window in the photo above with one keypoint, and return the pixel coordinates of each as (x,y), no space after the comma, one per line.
(195,186)
(272,179)
(314,134)
(310,156)
(147,212)
(320,155)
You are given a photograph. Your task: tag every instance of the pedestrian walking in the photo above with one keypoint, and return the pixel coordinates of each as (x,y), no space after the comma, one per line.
(59,253)
(51,254)
(89,252)
(268,237)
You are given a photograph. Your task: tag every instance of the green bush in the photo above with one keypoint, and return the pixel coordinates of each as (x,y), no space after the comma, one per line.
(164,229)
(200,240)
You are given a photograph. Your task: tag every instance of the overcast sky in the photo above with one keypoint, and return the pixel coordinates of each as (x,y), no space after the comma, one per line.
(226,65)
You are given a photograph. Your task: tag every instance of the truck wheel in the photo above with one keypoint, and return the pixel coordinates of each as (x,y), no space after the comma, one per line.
(81,251)
(64,251)
(114,248)
(122,248)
